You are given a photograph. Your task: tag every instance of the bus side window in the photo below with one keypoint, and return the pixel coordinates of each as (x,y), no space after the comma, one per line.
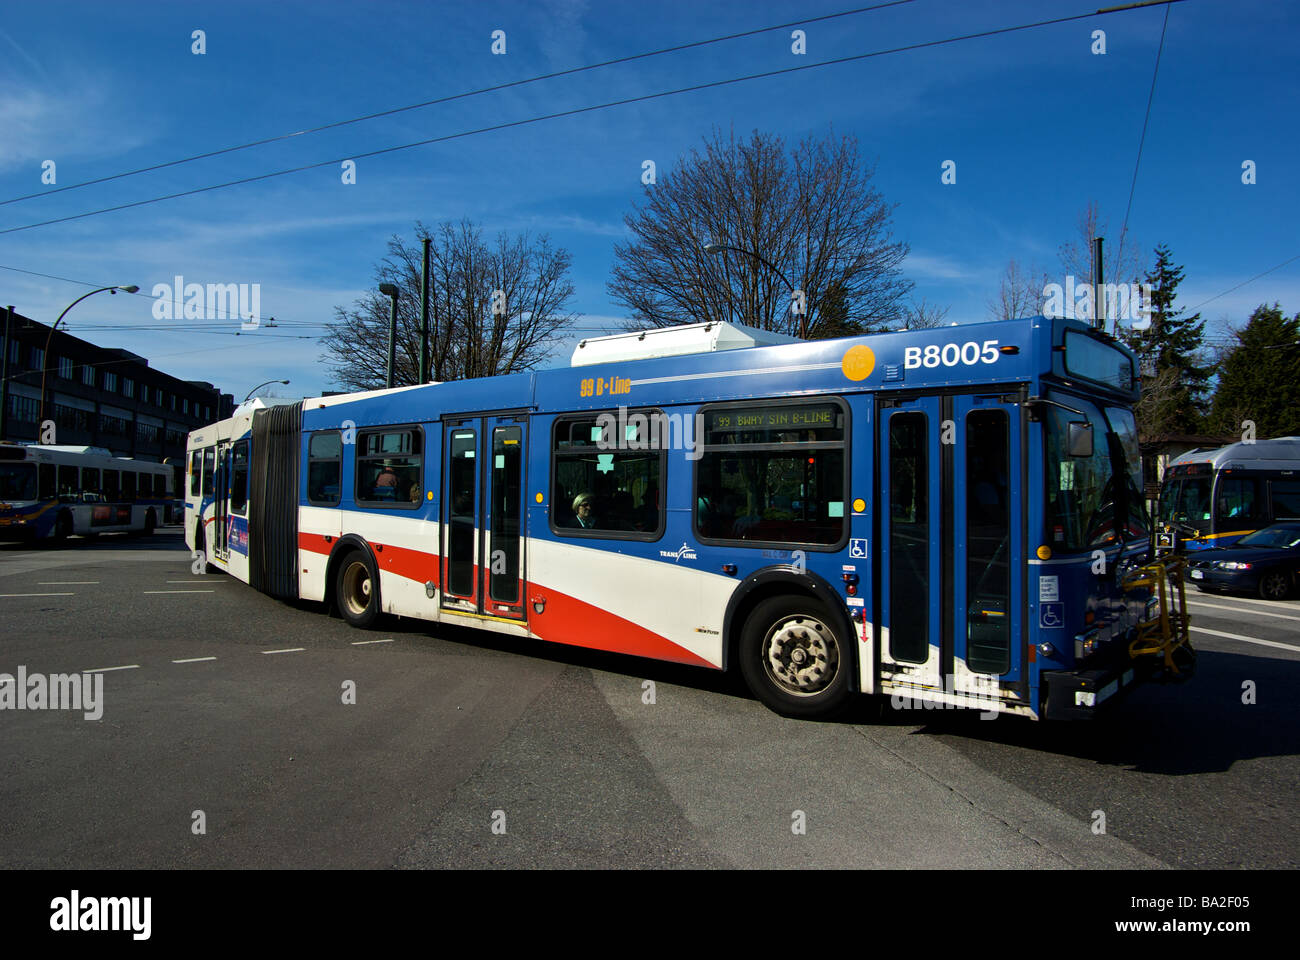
(47,484)
(196,472)
(324,467)
(159,486)
(128,485)
(68,485)
(111,490)
(90,484)
(1237,499)
(1285,499)
(209,469)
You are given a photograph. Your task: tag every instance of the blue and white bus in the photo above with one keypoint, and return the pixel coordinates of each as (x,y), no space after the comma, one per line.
(942,516)
(1213,498)
(53,492)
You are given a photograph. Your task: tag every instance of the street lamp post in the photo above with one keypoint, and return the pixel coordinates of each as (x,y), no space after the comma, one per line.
(45,358)
(255,389)
(390,291)
(714,247)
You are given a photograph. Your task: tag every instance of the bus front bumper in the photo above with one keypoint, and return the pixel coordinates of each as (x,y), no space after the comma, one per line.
(1081,694)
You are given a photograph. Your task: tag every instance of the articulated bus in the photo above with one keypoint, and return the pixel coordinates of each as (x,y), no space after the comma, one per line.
(942,516)
(53,492)
(1213,498)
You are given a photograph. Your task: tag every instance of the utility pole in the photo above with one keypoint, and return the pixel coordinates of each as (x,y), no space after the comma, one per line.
(424,316)
(4,373)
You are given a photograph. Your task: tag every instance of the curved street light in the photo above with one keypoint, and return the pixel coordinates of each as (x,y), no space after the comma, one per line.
(45,358)
(715,247)
(260,386)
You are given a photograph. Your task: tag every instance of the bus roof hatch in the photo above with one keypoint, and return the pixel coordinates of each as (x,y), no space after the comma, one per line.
(673,342)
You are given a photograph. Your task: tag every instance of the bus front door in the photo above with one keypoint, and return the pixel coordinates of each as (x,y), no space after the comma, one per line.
(951,547)
(221,503)
(483,490)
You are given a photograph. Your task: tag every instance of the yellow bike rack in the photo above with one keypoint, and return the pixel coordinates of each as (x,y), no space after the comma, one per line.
(1169,630)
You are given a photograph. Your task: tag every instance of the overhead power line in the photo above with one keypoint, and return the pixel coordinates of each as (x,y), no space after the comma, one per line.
(714,84)
(456,96)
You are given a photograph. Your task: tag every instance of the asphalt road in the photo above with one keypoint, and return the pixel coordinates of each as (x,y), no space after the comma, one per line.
(464,749)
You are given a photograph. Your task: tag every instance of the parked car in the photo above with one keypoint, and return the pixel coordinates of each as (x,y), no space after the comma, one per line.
(1267,562)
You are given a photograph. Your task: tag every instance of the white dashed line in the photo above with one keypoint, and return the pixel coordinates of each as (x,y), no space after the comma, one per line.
(65,583)
(194,660)
(129,666)
(37,594)
(359,643)
(180,591)
(1236,636)
(198,580)
(289,650)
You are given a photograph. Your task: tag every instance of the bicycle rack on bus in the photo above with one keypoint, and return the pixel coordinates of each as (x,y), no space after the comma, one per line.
(1168,632)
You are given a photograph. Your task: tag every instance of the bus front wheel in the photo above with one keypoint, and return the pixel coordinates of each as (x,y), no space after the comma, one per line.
(794,659)
(356,590)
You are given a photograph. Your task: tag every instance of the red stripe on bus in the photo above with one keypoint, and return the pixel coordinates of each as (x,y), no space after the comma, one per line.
(569,620)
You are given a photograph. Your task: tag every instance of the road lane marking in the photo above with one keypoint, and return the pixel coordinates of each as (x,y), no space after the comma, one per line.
(129,666)
(289,650)
(359,643)
(180,591)
(1262,613)
(1237,636)
(37,594)
(65,583)
(1275,604)
(198,580)
(194,660)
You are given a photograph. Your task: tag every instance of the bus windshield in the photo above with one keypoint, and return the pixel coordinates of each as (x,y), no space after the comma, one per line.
(1186,500)
(18,481)
(1083,493)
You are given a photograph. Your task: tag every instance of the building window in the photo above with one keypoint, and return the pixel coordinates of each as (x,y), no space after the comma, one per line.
(13,351)
(175,438)
(110,382)
(38,358)
(114,426)
(128,387)
(65,368)
(88,375)
(173,399)
(25,409)
(185,405)
(71,418)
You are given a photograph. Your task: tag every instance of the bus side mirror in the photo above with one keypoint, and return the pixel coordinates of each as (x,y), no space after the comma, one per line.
(1079,439)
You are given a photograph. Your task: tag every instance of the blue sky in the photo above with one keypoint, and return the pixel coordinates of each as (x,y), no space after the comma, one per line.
(1037,125)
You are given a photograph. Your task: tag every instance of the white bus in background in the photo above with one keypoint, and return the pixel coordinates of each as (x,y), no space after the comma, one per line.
(54,492)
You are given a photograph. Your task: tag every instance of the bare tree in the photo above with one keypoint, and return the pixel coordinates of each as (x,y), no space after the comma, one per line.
(494,308)
(1020,293)
(1122,260)
(810,213)
(919,315)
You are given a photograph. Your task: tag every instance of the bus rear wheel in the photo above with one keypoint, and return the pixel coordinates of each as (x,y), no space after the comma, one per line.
(356,590)
(794,659)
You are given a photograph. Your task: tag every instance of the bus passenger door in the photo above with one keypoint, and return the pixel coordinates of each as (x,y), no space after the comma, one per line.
(909,556)
(483,563)
(502,580)
(988,532)
(221,502)
(460,512)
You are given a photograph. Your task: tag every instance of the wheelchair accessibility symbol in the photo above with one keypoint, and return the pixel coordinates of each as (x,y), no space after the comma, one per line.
(1051,615)
(858,548)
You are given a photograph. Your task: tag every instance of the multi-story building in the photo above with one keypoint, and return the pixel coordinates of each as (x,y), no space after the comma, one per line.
(97,396)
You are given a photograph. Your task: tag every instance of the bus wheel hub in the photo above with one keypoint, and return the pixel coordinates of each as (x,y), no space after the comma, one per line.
(801,656)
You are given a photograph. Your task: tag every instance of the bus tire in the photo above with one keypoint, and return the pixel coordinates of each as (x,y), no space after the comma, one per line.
(356,590)
(794,659)
(201,548)
(1274,585)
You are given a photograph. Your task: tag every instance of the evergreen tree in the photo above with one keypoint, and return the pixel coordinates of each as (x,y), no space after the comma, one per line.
(1260,379)
(1174,381)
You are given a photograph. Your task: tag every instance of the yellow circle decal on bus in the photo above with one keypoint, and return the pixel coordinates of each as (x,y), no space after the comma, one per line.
(1044,552)
(858,362)
(859,505)
(429,495)
(539,498)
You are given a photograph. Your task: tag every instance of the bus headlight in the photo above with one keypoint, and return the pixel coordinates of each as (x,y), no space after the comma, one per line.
(1086,644)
